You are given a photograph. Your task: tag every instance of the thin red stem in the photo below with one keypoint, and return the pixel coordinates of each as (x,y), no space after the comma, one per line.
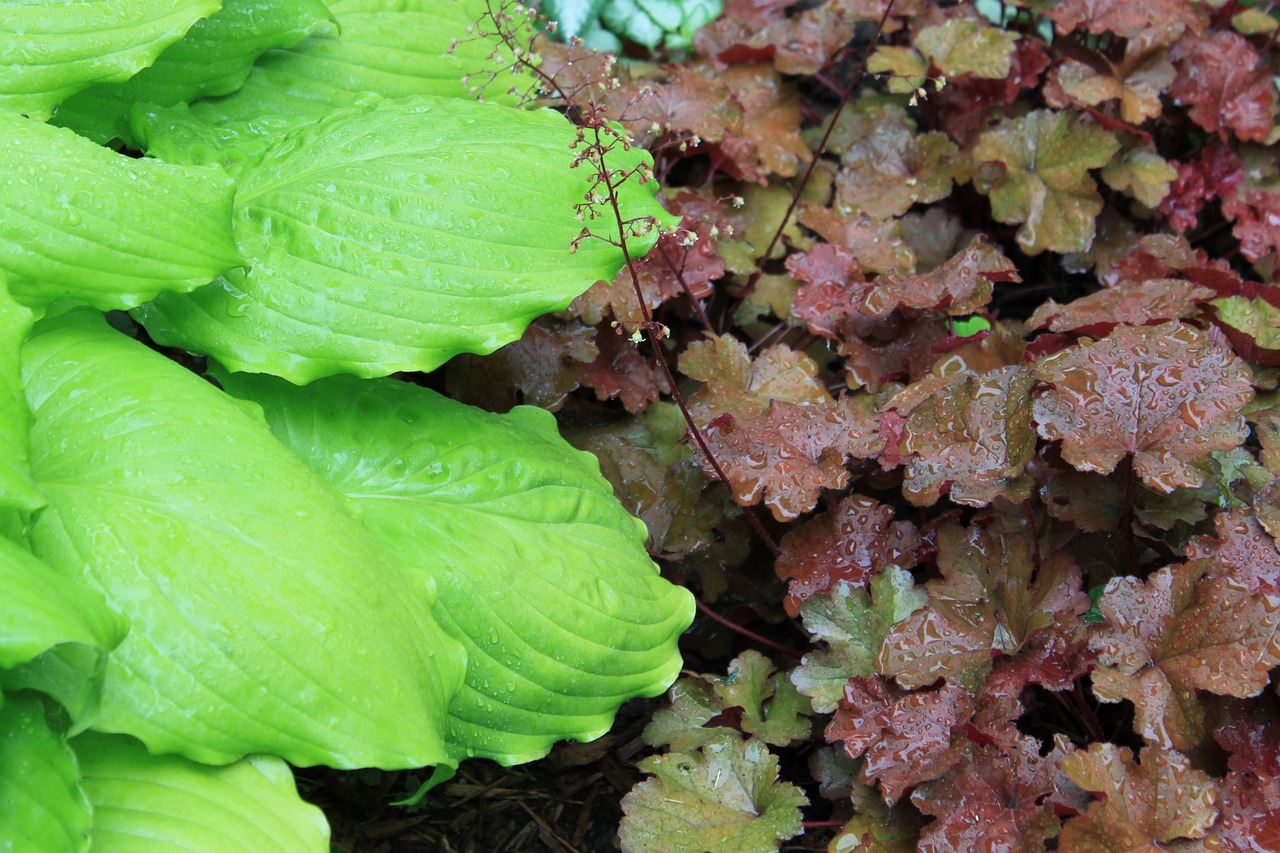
(748,633)
(817,153)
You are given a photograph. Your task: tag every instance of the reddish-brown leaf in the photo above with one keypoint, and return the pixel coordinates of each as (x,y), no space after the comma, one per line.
(849,542)
(769,142)
(879,246)
(908,738)
(967,435)
(993,800)
(736,384)
(893,349)
(540,369)
(991,598)
(1250,815)
(1250,732)
(892,168)
(1167,256)
(832,279)
(678,265)
(755,30)
(1160,800)
(1177,633)
(1155,301)
(1136,83)
(1257,216)
(960,286)
(1151,21)
(1242,551)
(965,105)
(690,100)
(619,370)
(1227,84)
(1165,394)
(790,453)
(1214,173)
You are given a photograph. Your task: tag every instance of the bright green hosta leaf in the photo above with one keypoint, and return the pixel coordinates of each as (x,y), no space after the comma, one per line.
(144,803)
(17,491)
(541,573)
(51,50)
(42,809)
(264,618)
(393,237)
(40,609)
(723,798)
(1046,186)
(80,221)
(853,622)
(393,48)
(213,58)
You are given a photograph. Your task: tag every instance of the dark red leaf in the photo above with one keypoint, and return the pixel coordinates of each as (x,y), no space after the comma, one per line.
(1226,82)
(907,738)
(960,286)
(1155,301)
(993,800)
(1257,216)
(1165,394)
(849,542)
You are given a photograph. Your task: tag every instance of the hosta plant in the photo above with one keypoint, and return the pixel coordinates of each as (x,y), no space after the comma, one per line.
(280,553)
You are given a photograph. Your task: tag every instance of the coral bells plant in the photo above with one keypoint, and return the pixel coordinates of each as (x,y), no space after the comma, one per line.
(966,331)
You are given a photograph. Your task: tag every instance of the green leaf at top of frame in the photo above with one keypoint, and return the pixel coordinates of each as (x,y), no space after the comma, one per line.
(82,222)
(50,51)
(264,618)
(542,575)
(392,48)
(42,807)
(213,58)
(17,489)
(394,236)
(167,803)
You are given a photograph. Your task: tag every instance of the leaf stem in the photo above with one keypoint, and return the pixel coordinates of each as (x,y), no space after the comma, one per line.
(746,632)
(817,152)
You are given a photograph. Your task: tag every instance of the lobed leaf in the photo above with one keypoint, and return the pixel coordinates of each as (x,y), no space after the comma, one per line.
(1178,633)
(853,621)
(1161,799)
(542,577)
(1046,185)
(392,237)
(83,222)
(52,50)
(1165,394)
(852,542)
(249,585)
(724,798)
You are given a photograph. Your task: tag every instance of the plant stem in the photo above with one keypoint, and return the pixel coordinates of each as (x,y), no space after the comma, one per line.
(746,632)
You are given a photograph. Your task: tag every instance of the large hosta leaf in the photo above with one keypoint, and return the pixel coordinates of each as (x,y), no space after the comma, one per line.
(264,618)
(40,609)
(42,809)
(51,50)
(213,58)
(17,491)
(393,48)
(84,222)
(541,573)
(143,802)
(392,237)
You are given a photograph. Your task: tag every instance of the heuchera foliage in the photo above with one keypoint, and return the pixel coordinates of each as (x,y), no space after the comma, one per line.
(970,325)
